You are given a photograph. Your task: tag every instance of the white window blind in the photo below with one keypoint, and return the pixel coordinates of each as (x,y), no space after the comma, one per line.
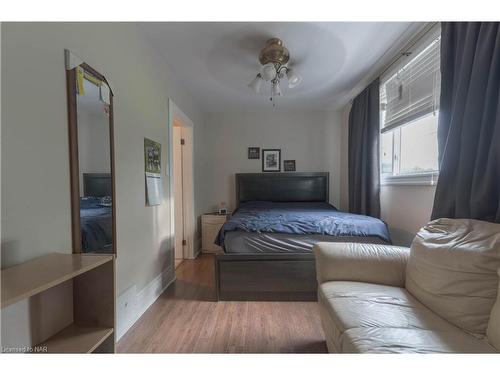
(411,88)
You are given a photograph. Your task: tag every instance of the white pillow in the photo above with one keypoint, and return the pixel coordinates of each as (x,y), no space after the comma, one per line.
(493,330)
(452,270)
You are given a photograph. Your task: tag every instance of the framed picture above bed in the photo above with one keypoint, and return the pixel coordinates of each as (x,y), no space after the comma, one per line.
(289,165)
(271,160)
(254,152)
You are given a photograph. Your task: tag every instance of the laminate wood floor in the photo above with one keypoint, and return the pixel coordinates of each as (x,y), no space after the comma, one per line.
(177,262)
(188,319)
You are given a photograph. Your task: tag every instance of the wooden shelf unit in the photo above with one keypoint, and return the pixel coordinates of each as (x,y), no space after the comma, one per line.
(93,279)
(75,339)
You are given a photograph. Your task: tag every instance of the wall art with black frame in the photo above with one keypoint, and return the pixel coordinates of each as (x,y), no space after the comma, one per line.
(271,160)
(254,152)
(289,165)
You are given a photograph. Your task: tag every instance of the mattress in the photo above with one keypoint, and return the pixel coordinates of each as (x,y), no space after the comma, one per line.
(295,226)
(237,242)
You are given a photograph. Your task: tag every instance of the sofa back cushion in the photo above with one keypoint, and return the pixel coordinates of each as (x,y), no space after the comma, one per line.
(493,331)
(452,270)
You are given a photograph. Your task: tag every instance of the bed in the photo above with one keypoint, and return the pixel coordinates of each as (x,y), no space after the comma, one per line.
(96,225)
(268,241)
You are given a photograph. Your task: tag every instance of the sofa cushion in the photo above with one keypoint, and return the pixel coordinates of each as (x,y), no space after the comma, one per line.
(453,270)
(366,262)
(360,317)
(404,340)
(493,330)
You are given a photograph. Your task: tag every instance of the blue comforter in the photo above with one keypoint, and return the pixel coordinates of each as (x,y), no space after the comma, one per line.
(301,218)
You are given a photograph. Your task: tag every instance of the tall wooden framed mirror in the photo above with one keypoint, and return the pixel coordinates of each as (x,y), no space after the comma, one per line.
(91,156)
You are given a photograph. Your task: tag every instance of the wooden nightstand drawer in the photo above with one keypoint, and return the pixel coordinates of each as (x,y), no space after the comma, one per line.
(213,219)
(210,226)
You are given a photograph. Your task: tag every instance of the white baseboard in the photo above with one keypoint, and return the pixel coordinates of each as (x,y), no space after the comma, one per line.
(132,304)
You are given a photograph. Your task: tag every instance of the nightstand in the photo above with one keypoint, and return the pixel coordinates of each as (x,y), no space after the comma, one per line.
(210,227)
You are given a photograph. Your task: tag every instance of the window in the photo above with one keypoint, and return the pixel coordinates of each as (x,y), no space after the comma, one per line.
(409,103)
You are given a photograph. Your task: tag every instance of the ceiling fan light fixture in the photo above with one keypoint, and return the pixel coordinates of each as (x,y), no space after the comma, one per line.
(293,78)
(274,58)
(256,83)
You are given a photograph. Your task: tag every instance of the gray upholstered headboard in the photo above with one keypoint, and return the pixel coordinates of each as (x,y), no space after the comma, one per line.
(282,187)
(97,184)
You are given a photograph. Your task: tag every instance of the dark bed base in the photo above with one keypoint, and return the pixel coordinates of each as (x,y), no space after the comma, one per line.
(265,277)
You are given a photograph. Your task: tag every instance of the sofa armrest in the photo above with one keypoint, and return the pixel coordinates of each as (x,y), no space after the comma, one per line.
(371,263)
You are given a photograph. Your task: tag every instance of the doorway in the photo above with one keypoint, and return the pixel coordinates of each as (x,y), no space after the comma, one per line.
(181,185)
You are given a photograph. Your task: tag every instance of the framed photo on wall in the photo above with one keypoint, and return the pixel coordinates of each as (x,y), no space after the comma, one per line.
(271,160)
(289,165)
(254,152)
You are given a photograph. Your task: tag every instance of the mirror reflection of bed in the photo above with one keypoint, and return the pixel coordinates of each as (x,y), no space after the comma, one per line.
(96,225)
(95,213)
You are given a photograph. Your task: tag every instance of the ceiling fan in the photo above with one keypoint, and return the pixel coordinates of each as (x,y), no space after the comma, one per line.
(274,58)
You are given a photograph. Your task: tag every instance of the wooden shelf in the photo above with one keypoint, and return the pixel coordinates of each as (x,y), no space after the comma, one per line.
(75,339)
(35,276)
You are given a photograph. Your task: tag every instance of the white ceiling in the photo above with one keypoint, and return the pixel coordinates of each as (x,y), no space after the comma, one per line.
(216,61)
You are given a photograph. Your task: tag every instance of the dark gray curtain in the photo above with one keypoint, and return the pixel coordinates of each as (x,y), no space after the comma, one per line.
(364,134)
(469,122)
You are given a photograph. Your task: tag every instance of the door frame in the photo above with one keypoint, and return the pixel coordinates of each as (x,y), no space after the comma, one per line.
(177,192)
(175,112)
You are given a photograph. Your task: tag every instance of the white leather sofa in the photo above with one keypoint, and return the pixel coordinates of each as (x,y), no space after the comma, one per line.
(440,296)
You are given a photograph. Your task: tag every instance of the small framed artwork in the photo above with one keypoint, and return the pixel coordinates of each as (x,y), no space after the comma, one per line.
(289,165)
(254,152)
(271,160)
(152,156)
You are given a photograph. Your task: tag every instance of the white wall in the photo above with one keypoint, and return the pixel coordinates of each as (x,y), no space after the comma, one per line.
(36,212)
(311,138)
(405,208)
